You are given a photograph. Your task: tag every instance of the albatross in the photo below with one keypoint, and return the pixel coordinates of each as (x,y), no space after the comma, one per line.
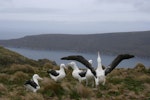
(77,73)
(82,60)
(89,75)
(33,84)
(57,75)
(99,73)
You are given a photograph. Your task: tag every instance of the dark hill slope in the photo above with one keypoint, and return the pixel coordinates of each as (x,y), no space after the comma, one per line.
(137,43)
(8,57)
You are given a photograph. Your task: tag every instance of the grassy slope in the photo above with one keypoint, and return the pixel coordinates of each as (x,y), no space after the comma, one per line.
(8,57)
(121,83)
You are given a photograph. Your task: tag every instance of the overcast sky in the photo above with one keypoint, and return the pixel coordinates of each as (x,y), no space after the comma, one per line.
(25,17)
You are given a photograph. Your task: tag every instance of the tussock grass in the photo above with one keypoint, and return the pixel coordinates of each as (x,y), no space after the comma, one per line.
(8,57)
(51,88)
(144,78)
(24,68)
(80,92)
(48,66)
(3,89)
(139,67)
(4,78)
(121,83)
(33,96)
(4,98)
(133,85)
(19,77)
(129,84)
(83,91)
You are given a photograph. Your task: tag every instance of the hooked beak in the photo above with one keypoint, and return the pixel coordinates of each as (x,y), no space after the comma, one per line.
(40,78)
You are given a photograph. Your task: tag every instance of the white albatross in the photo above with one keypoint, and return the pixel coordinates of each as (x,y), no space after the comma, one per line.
(77,73)
(82,60)
(89,75)
(58,75)
(99,73)
(32,84)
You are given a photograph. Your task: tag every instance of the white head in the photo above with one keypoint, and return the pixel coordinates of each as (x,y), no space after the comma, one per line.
(73,65)
(37,77)
(98,58)
(63,66)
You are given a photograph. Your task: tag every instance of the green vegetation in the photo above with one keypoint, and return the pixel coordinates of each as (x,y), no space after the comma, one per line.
(8,57)
(120,84)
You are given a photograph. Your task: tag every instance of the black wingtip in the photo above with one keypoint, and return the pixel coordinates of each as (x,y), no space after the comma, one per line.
(127,56)
(63,58)
(116,61)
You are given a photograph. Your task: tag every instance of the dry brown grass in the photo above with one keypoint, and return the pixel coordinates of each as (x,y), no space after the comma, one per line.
(4,76)
(51,88)
(3,89)
(139,67)
(18,77)
(5,98)
(121,84)
(143,77)
(83,91)
(33,96)
(48,66)
(67,86)
(23,68)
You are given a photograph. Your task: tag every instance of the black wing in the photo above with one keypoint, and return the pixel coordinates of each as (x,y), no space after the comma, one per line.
(82,60)
(83,73)
(116,61)
(32,83)
(53,72)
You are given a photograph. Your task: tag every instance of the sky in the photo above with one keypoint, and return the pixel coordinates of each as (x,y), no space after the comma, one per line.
(19,18)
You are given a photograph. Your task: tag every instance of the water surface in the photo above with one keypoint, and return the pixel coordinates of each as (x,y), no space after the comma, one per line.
(56,55)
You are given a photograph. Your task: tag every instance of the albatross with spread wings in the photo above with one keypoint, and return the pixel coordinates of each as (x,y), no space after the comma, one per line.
(85,62)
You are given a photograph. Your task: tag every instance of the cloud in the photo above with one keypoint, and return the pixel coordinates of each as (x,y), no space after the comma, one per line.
(75,10)
(73,16)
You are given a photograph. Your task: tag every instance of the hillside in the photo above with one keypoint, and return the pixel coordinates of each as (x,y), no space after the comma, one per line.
(136,43)
(130,84)
(8,57)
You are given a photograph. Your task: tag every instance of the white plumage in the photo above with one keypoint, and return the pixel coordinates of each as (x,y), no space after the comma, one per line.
(58,75)
(89,75)
(33,84)
(100,72)
(77,73)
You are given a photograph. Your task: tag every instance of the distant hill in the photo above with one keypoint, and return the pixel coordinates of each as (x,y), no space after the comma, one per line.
(137,43)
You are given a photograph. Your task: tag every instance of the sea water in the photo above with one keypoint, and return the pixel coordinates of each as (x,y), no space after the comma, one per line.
(56,55)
